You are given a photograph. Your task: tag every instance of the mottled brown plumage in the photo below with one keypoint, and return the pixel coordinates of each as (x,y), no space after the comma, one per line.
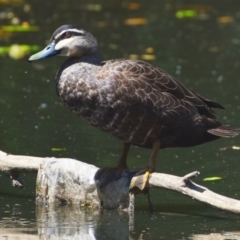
(138,103)
(134,101)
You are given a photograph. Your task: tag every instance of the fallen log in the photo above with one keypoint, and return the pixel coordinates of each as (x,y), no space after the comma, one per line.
(63,180)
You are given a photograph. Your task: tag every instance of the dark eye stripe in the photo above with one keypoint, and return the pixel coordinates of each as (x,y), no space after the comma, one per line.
(63,36)
(72,32)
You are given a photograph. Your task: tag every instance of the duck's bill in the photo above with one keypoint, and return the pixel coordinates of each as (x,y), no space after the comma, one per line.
(48,51)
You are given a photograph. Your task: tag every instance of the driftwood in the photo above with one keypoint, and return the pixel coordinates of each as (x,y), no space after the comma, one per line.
(62,180)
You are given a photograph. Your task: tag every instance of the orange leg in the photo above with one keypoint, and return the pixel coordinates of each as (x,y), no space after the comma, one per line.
(141,181)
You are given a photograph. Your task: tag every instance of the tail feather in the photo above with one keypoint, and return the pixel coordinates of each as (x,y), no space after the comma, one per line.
(224,131)
(208,102)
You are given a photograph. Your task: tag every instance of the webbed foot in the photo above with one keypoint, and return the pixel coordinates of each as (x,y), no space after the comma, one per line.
(140,180)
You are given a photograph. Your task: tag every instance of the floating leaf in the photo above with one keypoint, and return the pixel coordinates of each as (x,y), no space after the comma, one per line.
(136,21)
(225,19)
(58,149)
(231,147)
(3,50)
(133,56)
(148,57)
(11,1)
(212,179)
(186,13)
(19,28)
(133,6)
(94,7)
(17,51)
(149,50)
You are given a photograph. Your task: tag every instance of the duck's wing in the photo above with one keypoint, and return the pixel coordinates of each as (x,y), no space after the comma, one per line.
(140,81)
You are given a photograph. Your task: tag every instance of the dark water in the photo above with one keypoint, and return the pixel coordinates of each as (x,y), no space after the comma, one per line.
(202,51)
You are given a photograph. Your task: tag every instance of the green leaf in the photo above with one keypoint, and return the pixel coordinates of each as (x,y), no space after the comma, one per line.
(212,179)
(19,28)
(186,13)
(58,149)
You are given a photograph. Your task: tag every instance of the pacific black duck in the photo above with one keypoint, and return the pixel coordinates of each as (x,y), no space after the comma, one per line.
(134,101)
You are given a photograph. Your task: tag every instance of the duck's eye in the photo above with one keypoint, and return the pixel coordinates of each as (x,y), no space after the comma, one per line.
(67,35)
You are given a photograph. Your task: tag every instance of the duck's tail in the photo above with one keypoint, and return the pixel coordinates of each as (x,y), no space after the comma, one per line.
(224,131)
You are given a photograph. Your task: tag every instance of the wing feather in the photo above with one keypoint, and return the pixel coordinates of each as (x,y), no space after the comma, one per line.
(140,82)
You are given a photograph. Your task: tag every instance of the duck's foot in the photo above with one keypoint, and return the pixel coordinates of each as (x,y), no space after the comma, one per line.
(140,180)
(139,184)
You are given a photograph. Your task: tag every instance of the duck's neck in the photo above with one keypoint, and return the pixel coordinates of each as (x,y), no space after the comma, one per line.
(91,58)
(79,67)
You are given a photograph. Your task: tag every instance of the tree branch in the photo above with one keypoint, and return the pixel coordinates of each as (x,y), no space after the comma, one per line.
(185,186)
(69,181)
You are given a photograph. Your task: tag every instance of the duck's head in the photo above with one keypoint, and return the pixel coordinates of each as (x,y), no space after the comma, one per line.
(70,41)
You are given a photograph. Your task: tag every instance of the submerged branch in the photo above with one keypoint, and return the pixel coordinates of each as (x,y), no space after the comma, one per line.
(70,181)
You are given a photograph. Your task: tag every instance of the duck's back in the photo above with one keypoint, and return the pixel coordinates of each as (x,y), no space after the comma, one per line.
(137,103)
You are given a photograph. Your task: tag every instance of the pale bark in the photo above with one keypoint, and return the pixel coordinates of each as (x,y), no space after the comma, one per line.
(69,181)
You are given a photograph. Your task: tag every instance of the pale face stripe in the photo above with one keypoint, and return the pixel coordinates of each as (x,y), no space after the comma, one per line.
(63,43)
(69,30)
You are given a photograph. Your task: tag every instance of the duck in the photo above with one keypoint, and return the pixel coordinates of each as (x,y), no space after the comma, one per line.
(134,101)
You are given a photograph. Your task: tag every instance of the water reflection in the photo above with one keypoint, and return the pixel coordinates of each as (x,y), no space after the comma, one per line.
(72,222)
(75,223)
(66,223)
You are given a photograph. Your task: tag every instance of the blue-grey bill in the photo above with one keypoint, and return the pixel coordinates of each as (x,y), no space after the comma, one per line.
(48,51)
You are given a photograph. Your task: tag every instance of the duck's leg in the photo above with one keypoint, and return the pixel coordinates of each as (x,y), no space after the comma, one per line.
(122,163)
(141,181)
